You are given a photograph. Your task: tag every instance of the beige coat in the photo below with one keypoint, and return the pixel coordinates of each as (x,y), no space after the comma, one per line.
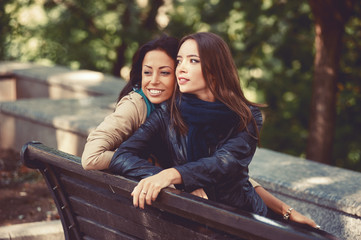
(130,113)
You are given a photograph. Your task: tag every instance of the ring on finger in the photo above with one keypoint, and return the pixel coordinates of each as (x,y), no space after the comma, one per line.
(144,192)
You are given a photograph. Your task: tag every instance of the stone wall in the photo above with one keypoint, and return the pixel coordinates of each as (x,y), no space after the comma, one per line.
(54,105)
(58,107)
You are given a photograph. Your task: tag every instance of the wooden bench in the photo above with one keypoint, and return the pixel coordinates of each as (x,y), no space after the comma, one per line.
(97,205)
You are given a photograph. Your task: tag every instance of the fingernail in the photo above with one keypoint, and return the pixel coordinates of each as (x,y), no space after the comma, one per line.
(318,227)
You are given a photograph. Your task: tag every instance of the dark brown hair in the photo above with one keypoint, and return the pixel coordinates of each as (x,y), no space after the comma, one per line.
(221,76)
(165,43)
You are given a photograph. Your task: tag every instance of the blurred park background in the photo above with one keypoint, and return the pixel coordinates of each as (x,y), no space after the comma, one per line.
(302,58)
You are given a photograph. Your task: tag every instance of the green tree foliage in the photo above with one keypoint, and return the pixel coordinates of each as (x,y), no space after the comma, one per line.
(98,35)
(272,42)
(347,146)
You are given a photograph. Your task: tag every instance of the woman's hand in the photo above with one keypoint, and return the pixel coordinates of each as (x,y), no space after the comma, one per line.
(148,188)
(200,193)
(280,207)
(298,217)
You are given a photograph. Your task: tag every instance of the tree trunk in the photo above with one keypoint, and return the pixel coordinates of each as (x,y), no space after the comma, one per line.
(149,23)
(120,60)
(330,17)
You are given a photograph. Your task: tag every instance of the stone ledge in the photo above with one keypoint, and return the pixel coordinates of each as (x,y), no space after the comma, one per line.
(55,105)
(331,220)
(33,231)
(74,115)
(63,124)
(314,180)
(329,195)
(95,83)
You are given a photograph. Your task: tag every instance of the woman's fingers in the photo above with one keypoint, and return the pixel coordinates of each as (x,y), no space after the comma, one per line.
(139,194)
(141,199)
(147,192)
(135,194)
(298,217)
(149,195)
(141,191)
(144,193)
(148,188)
(200,193)
(155,194)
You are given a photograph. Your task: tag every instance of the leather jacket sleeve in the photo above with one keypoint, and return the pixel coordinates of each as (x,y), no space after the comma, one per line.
(228,163)
(131,158)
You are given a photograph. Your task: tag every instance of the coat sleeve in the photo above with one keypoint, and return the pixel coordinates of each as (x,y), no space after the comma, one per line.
(228,163)
(101,143)
(131,158)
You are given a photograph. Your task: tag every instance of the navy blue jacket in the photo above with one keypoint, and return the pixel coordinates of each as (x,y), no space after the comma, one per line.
(223,174)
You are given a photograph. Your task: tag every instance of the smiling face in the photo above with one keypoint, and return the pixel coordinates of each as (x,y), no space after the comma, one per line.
(189,72)
(158,77)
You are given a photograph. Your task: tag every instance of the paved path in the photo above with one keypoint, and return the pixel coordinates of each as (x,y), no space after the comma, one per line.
(51,230)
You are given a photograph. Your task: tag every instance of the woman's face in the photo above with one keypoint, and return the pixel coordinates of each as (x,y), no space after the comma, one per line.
(189,71)
(158,76)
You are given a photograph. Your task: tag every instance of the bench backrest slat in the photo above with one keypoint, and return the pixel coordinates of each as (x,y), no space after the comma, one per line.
(98,205)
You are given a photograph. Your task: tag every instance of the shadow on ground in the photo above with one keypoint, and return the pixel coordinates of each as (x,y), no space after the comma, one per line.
(24,196)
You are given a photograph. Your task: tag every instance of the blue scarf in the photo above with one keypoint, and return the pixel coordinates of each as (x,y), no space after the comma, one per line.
(150,106)
(206,121)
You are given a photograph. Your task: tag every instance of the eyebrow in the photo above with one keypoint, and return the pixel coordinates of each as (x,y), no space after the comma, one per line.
(190,55)
(160,67)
